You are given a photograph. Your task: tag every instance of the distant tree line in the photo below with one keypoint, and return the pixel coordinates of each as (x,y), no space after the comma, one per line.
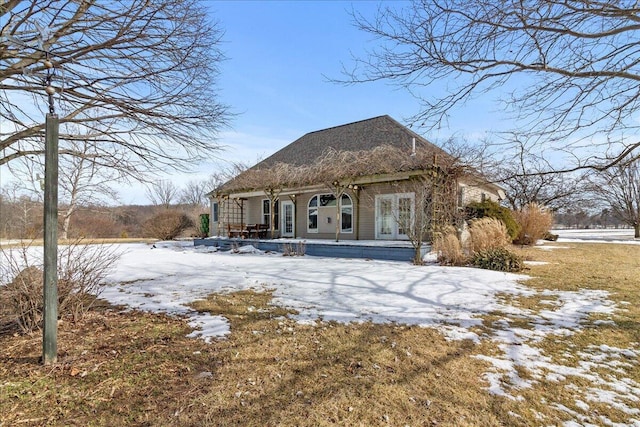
(22,214)
(582,218)
(22,219)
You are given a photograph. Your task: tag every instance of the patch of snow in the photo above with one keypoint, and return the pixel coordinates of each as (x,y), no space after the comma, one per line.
(551,248)
(248,249)
(536,263)
(619,236)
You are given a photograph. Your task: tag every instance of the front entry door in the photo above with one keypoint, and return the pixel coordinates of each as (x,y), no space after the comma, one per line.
(288,219)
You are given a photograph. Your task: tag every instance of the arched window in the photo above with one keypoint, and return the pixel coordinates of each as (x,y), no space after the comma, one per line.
(324,206)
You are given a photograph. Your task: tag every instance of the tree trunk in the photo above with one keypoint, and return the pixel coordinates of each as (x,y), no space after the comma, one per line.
(636,230)
(337,220)
(272,215)
(417,258)
(65,227)
(67,221)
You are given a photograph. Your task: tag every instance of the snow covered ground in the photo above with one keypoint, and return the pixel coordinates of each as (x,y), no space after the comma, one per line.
(167,277)
(597,236)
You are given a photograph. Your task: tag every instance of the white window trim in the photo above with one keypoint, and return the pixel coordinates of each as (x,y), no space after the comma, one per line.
(276,207)
(283,218)
(309,229)
(352,218)
(318,207)
(215,211)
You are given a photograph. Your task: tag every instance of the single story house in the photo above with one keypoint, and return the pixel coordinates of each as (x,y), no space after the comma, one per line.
(358,181)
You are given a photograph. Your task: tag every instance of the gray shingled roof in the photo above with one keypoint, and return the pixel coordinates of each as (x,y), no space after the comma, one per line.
(362,135)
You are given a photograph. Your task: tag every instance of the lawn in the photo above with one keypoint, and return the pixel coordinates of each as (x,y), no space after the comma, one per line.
(559,348)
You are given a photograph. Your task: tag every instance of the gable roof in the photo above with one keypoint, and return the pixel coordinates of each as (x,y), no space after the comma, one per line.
(361,135)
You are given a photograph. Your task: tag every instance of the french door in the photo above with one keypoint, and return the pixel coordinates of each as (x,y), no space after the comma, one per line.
(394,216)
(288,228)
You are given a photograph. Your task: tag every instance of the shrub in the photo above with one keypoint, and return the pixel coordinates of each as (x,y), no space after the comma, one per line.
(23,297)
(488,233)
(81,270)
(535,222)
(167,225)
(491,209)
(448,247)
(203,230)
(289,249)
(498,259)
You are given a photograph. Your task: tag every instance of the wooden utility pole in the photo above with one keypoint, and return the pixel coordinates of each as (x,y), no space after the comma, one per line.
(50,310)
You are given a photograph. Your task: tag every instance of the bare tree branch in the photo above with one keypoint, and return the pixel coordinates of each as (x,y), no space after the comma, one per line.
(619,189)
(133,75)
(162,193)
(569,72)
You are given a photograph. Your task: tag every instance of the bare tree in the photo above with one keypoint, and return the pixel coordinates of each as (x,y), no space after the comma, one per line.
(81,181)
(434,208)
(619,188)
(133,75)
(194,193)
(271,181)
(527,178)
(20,213)
(567,70)
(162,193)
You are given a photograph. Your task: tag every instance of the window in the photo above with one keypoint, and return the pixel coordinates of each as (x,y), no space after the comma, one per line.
(312,222)
(327,200)
(266,213)
(324,205)
(215,209)
(346,214)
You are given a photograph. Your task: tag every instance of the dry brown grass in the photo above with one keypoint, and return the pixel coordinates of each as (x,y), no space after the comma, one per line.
(535,221)
(488,233)
(575,267)
(449,249)
(140,369)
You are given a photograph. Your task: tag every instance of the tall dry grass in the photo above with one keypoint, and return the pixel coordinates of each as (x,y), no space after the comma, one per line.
(449,249)
(488,233)
(535,221)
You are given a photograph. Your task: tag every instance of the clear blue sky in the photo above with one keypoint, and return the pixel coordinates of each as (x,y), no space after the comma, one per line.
(280,58)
